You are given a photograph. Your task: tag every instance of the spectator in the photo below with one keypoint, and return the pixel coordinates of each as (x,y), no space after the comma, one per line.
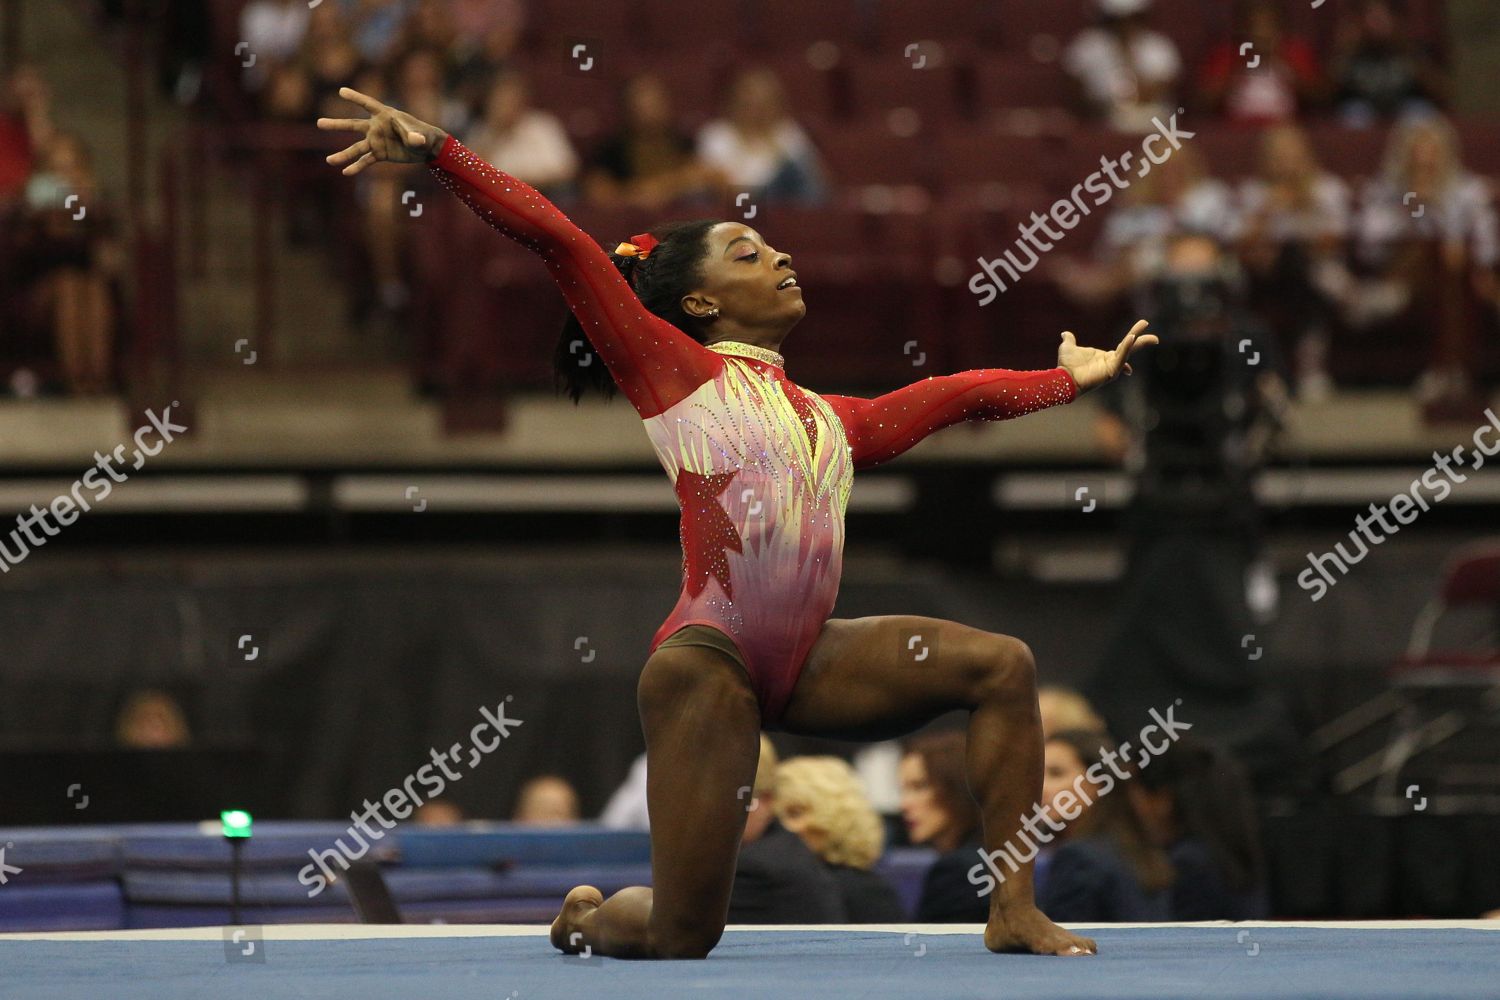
(1428,230)
(757,146)
(489,31)
(1196,804)
(649,162)
(547,800)
(70,258)
(377,29)
(428,26)
(1063,708)
(1284,81)
(525,142)
(939,812)
(1175,198)
(151,720)
(419,90)
(1379,70)
(778,879)
(1102,868)
(821,800)
(438,812)
(1296,224)
(331,61)
(25,129)
(1126,72)
(272,31)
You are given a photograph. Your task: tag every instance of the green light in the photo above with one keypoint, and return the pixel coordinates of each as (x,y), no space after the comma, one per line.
(236,822)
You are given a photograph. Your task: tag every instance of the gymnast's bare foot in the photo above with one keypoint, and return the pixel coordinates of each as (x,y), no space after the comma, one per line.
(581,900)
(1027,929)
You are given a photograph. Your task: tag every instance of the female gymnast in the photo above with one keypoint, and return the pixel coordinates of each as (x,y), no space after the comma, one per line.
(689,320)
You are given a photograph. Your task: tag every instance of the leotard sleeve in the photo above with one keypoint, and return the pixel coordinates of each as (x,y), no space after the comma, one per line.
(882,428)
(654,363)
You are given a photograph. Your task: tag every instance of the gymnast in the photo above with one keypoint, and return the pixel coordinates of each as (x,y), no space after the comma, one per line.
(688,321)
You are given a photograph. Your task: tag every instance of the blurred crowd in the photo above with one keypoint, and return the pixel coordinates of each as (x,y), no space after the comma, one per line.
(1402,250)
(61,258)
(1412,246)
(1415,244)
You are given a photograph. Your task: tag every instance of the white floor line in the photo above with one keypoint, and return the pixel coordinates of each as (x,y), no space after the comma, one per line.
(354,932)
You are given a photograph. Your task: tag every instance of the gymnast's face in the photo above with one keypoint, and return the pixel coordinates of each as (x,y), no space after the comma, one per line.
(752,284)
(927,819)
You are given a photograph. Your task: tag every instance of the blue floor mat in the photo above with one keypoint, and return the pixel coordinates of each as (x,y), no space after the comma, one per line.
(1148,963)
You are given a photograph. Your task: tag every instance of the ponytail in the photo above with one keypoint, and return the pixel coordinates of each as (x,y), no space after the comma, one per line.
(672,269)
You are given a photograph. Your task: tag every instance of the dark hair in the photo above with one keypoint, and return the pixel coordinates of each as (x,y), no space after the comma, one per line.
(944,756)
(1112,816)
(672,269)
(1212,802)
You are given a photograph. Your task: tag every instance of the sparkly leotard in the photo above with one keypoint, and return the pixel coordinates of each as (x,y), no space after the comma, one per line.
(762,468)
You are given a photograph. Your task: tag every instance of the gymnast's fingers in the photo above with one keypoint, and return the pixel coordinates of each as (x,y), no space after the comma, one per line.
(344,124)
(363,100)
(349,152)
(359,164)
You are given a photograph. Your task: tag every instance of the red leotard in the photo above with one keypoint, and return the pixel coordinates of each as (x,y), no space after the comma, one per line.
(762,468)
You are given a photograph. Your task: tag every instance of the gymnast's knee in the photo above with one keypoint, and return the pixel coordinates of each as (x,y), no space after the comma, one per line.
(1000,668)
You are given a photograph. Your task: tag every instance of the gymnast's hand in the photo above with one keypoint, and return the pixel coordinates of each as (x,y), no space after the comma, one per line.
(389,135)
(1092,367)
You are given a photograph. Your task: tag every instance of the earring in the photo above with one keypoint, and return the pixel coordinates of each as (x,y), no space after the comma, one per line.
(715,311)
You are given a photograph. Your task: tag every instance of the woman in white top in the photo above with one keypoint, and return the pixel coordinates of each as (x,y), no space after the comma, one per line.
(1428,227)
(758,147)
(523,141)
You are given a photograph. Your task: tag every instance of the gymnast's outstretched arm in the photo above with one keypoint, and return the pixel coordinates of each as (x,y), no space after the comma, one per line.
(879,429)
(654,363)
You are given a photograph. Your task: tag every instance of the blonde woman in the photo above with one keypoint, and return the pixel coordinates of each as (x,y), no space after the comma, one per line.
(822,800)
(1428,228)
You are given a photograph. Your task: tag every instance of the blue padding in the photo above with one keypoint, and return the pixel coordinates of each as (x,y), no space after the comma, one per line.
(86,906)
(274,845)
(905,868)
(1218,963)
(61,854)
(212,889)
(477,883)
(497,843)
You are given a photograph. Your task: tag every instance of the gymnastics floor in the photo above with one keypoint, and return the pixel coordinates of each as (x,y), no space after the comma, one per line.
(491,962)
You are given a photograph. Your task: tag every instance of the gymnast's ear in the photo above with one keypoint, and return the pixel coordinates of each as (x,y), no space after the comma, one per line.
(699,307)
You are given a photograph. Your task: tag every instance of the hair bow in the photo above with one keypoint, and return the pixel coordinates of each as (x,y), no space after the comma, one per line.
(639,247)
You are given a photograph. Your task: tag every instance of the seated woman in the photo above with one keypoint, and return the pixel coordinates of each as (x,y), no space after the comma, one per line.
(649,162)
(759,148)
(1101,868)
(1429,231)
(777,878)
(821,800)
(1296,219)
(1196,803)
(939,811)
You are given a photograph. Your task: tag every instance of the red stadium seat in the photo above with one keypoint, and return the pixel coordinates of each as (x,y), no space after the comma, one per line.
(868,153)
(1020,82)
(792,25)
(882,84)
(898,23)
